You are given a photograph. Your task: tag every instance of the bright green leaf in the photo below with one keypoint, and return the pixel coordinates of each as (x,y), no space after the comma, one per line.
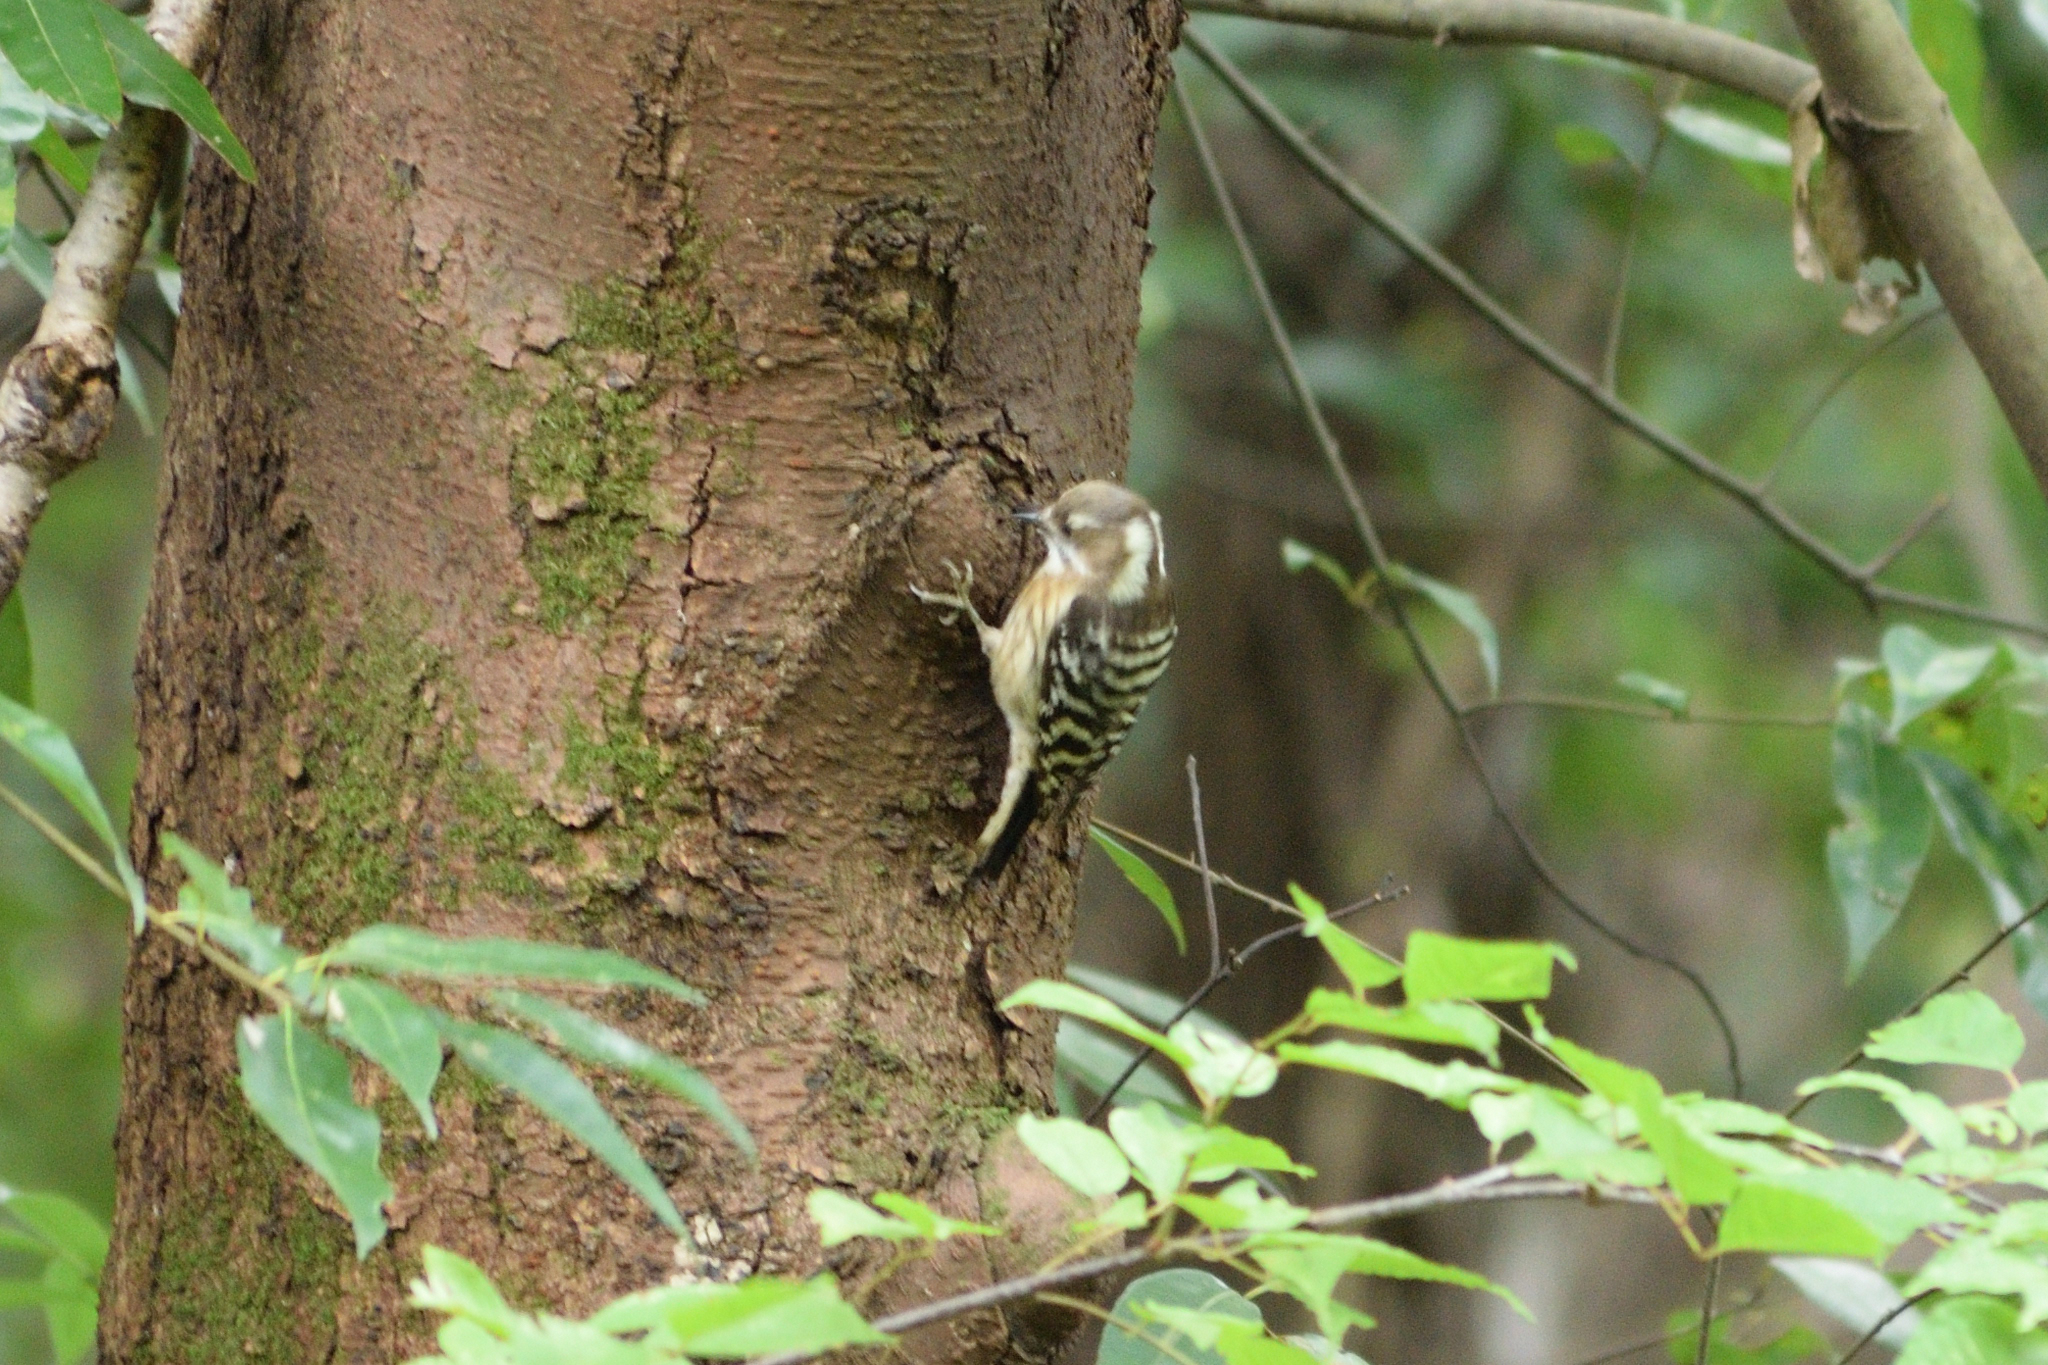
(149,75)
(1220,1151)
(763,1316)
(1968,1331)
(56,47)
(1452,1022)
(576,1032)
(48,750)
(1297,556)
(71,1311)
(299,1086)
(70,166)
(1453,1083)
(841,1218)
(1158,1146)
(1440,967)
(396,950)
(1973,1266)
(1461,607)
(1363,967)
(386,1026)
(523,1068)
(456,1285)
(1139,874)
(1084,1055)
(61,1227)
(1068,998)
(1084,1158)
(1764,1217)
(2028,1106)
(931,1225)
(1965,1028)
(1993,843)
(1222,1064)
(1374,1257)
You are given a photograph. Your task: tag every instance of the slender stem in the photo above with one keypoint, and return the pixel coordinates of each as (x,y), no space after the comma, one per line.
(1666,1338)
(1751,495)
(1706,1330)
(1880,1325)
(1382,564)
(56,192)
(1954,979)
(86,862)
(1904,541)
(1635,711)
(1208,877)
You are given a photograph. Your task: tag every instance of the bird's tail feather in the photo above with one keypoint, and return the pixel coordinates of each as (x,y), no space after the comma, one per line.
(1026,810)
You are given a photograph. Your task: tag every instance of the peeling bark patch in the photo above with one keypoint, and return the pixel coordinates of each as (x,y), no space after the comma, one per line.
(588,441)
(892,284)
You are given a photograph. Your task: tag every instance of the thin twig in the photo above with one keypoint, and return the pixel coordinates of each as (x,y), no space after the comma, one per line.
(1610,354)
(1885,558)
(1635,711)
(1749,494)
(42,170)
(1226,968)
(1954,979)
(1881,1324)
(1706,1336)
(1872,349)
(1666,1338)
(1208,877)
(1382,565)
(1490,1186)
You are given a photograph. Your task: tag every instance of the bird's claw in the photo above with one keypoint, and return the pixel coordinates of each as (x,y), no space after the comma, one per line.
(955,602)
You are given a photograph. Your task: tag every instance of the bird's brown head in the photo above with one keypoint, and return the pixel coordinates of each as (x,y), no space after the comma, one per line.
(1108,533)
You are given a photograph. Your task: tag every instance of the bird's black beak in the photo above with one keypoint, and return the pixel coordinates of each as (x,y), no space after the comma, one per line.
(1031,516)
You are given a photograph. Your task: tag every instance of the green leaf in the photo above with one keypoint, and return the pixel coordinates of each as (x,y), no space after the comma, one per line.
(1966,1028)
(1928,1115)
(2035,14)
(601,1044)
(395,950)
(72,168)
(1945,34)
(1220,1151)
(1853,1293)
(1096,1061)
(1243,1206)
(1728,137)
(1297,556)
(1990,840)
(1453,1083)
(1923,672)
(453,1284)
(842,1219)
(1670,696)
(1584,145)
(48,750)
(930,1224)
(1158,1146)
(1764,1217)
(1696,1174)
(1440,967)
(1972,1266)
(23,111)
(17,671)
(762,1316)
(1874,859)
(56,46)
(525,1069)
(61,1228)
(1968,1331)
(299,1086)
(1085,1159)
(1383,1259)
(1139,874)
(1452,1022)
(1221,1064)
(149,75)
(1129,1336)
(7,206)
(71,1310)
(2028,1106)
(1148,1004)
(386,1026)
(1363,967)
(1461,607)
(1568,1146)
(216,907)
(1068,998)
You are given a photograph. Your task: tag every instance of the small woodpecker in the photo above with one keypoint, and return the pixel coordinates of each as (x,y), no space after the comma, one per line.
(1080,647)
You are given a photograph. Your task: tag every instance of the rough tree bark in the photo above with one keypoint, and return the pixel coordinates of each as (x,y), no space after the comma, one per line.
(556,427)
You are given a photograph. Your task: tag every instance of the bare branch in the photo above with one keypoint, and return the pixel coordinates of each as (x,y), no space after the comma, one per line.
(1750,494)
(1630,35)
(1884,110)
(58,394)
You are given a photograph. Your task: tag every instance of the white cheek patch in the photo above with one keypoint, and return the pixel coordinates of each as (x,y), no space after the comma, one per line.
(1141,547)
(1061,556)
(1158,545)
(1081,521)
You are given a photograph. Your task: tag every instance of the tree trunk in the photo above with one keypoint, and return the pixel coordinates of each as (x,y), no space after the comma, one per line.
(557,426)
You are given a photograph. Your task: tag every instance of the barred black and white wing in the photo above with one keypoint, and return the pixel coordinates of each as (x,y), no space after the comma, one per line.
(1101,662)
